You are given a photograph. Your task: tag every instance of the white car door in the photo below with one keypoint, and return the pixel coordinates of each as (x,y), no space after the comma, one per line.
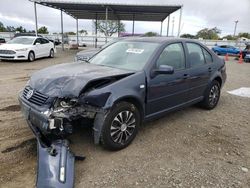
(38,48)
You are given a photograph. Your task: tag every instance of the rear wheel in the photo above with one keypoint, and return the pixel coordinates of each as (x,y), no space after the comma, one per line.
(120,126)
(212,95)
(51,53)
(31,56)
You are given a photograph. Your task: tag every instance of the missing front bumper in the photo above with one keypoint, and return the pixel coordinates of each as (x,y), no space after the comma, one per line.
(55,165)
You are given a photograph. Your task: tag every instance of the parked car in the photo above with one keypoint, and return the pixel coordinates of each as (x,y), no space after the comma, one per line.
(247,57)
(226,49)
(85,55)
(27,48)
(127,83)
(246,51)
(2,41)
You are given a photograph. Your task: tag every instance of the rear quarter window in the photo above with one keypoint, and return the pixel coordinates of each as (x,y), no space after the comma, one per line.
(207,55)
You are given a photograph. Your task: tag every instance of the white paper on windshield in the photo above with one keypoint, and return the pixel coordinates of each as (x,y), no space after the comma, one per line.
(242,92)
(135,50)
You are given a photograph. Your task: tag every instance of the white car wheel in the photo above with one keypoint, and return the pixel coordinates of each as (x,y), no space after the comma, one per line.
(31,56)
(51,53)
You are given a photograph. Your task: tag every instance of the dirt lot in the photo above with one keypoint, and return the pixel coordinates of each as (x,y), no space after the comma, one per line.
(188,148)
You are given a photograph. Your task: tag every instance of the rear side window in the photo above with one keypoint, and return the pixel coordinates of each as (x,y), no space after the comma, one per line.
(195,55)
(172,55)
(207,56)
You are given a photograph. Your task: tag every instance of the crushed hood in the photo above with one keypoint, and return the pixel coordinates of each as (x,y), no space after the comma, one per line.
(68,80)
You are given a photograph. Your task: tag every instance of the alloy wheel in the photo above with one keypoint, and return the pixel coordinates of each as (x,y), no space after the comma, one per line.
(214,95)
(122,127)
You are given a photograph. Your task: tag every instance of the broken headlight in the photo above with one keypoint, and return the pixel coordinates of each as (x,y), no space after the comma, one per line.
(65,103)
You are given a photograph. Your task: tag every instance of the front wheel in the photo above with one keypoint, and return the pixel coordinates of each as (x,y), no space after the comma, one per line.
(31,56)
(120,126)
(212,95)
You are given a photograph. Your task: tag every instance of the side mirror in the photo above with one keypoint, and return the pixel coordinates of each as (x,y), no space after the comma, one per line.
(38,43)
(163,69)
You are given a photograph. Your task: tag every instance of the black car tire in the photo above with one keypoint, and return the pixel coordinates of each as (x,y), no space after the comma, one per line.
(31,56)
(118,125)
(211,96)
(51,53)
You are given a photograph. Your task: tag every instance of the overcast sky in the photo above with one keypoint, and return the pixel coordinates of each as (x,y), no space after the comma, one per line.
(197,14)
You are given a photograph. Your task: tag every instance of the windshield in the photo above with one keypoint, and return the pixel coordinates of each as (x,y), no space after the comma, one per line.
(125,55)
(21,40)
(109,43)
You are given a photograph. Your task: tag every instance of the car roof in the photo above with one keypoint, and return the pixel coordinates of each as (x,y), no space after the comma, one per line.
(159,39)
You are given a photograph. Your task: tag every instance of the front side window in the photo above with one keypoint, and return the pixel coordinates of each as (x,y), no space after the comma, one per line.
(127,55)
(195,55)
(172,55)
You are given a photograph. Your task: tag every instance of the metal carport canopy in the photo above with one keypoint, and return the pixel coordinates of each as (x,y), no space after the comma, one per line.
(82,9)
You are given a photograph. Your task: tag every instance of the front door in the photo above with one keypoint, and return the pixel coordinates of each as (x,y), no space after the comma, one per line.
(168,90)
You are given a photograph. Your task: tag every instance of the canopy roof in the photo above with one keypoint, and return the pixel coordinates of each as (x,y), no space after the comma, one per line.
(82,9)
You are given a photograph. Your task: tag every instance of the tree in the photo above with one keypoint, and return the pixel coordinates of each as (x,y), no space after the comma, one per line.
(230,37)
(10,29)
(112,27)
(83,32)
(209,33)
(43,30)
(70,33)
(21,29)
(188,36)
(150,34)
(2,28)
(245,35)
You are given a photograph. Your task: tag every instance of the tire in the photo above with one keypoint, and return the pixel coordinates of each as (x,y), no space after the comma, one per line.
(51,53)
(31,56)
(212,95)
(217,53)
(120,126)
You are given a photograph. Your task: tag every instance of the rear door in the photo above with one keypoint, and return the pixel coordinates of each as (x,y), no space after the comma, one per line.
(168,90)
(199,70)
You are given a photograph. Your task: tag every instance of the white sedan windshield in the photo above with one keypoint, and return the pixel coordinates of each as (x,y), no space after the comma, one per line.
(125,55)
(21,40)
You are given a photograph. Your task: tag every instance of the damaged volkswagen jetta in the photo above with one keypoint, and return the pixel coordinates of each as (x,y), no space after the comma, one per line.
(125,84)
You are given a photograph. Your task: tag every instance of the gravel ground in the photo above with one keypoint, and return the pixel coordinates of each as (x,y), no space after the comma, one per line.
(189,148)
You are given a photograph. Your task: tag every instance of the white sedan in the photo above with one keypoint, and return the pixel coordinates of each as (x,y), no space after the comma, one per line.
(27,48)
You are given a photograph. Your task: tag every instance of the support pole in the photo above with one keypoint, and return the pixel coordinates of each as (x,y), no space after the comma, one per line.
(35,18)
(133,28)
(168,25)
(161,28)
(96,30)
(77,37)
(173,27)
(119,22)
(106,26)
(62,30)
(180,18)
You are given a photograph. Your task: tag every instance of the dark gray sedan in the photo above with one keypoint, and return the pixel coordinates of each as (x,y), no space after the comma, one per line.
(125,84)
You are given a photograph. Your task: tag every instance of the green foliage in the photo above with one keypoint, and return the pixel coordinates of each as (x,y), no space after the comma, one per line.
(21,29)
(207,33)
(150,34)
(70,33)
(246,35)
(112,27)
(43,30)
(83,32)
(2,28)
(188,36)
(230,37)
